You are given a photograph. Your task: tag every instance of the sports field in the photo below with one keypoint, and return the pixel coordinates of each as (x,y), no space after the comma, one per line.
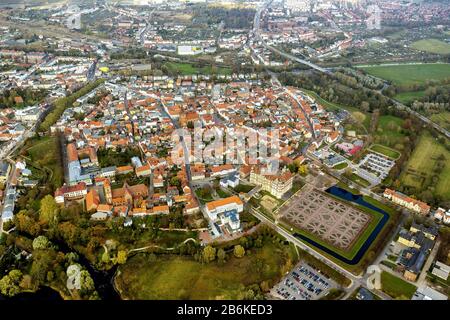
(426,157)
(432,45)
(406,74)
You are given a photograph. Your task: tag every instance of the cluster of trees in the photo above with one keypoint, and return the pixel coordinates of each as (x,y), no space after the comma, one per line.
(130,53)
(340,89)
(234,18)
(29,97)
(357,76)
(47,266)
(63,103)
(111,157)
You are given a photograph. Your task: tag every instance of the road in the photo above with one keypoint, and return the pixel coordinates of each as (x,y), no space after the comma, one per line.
(311,125)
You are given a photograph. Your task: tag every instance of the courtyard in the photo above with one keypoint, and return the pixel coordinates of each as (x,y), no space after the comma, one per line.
(323,216)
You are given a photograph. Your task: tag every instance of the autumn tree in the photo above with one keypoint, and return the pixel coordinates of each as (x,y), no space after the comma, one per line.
(121,257)
(48,209)
(209,254)
(40,242)
(239,251)
(9,284)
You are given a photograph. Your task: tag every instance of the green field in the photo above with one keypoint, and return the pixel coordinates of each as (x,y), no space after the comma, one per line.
(389,132)
(408,97)
(421,165)
(388,152)
(432,45)
(407,74)
(45,155)
(179,277)
(442,119)
(395,287)
(189,69)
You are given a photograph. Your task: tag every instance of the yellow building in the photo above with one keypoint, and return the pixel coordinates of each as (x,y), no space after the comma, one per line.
(277,185)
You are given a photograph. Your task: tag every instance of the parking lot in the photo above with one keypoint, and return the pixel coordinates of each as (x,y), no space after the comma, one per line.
(303,283)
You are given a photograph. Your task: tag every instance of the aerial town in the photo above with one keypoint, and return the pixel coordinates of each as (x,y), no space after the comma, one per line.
(238,150)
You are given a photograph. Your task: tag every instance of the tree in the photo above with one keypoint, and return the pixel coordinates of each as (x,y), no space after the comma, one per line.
(25,223)
(40,242)
(9,284)
(105,257)
(239,251)
(209,254)
(86,282)
(48,209)
(121,257)
(221,255)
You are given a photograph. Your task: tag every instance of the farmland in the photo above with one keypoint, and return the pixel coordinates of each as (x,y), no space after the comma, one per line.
(407,74)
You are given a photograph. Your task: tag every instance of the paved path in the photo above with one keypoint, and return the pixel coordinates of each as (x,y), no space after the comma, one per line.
(159,247)
(422,280)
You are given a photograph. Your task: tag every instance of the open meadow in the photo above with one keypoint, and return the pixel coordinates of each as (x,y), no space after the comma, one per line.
(407,74)
(420,170)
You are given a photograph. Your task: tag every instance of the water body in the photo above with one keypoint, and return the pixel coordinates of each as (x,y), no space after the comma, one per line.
(43,294)
(348,196)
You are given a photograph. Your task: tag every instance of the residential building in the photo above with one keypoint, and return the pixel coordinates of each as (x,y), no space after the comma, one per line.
(407,202)
(71,192)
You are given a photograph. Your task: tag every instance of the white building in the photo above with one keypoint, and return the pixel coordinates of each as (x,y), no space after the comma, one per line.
(214,208)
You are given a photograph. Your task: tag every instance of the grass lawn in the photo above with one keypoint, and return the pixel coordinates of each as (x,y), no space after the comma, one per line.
(189,69)
(243,188)
(389,132)
(357,179)
(432,45)
(407,97)
(181,277)
(410,73)
(45,154)
(395,287)
(388,152)
(223,194)
(419,170)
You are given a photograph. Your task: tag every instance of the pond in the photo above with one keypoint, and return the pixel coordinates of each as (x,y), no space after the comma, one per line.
(348,196)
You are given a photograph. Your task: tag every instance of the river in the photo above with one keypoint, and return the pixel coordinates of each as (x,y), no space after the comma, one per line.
(358,199)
